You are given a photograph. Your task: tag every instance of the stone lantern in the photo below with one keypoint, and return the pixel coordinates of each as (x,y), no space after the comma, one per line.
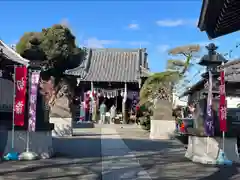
(204,147)
(211,61)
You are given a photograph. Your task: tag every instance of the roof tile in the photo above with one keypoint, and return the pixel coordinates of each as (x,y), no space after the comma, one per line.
(115,65)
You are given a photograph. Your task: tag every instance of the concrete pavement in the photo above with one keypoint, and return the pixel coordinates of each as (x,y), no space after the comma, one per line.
(114,152)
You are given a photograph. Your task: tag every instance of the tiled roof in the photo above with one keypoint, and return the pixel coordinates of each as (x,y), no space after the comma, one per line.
(232,74)
(115,65)
(11,54)
(232,71)
(145,72)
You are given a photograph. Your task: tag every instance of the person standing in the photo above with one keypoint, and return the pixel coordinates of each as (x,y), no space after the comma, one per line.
(102,110)
(112,113)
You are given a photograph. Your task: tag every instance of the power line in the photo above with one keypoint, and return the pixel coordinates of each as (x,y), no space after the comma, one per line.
(229,53)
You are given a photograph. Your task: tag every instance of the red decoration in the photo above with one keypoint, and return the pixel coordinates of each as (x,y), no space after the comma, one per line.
(20,95)
(182,127)
(137,108)
(222,104)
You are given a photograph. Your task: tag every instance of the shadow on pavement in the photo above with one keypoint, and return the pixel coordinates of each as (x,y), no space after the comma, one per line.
(79,147)
(225,173)
(81,158)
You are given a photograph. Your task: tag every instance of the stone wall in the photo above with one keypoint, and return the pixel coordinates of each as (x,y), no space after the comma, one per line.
(162,110)
(62,126)
(206,150)
(61,116)
(162,129)
(61,108)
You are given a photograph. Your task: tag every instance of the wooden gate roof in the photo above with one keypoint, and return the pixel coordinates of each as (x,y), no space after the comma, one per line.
(112,65)
(219,17)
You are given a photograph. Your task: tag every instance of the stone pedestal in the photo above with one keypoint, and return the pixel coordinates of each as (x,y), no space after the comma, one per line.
(62,126)
(83,124)
(162,129)
(205,150)
(40,142)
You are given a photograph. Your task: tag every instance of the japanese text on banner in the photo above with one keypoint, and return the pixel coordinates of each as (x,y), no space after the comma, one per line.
(33,101)
(20,95)
(222,104)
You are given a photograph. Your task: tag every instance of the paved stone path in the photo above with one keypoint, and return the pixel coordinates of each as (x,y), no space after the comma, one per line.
(115,152)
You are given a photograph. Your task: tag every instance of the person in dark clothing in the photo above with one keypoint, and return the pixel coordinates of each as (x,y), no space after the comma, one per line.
(188,111)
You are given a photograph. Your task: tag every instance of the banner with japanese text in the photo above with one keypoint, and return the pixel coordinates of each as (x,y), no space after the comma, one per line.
(20,95)
(222,104)
(209,121)
(35,76)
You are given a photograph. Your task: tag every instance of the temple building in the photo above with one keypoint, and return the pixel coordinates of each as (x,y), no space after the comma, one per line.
(111,73)
(8,58)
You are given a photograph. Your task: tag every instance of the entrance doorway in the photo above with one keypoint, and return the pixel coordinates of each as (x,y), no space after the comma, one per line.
(117,101)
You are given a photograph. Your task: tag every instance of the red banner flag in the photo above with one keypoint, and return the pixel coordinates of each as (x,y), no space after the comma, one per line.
(20,95)
(222,104)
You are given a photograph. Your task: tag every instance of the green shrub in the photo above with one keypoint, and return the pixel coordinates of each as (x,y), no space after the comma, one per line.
(145,122)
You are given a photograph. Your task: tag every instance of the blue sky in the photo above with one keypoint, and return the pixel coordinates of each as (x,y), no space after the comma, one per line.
(157,25)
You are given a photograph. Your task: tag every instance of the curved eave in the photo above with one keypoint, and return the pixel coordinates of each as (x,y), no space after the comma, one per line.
(201,22)
(145,72)
(12,55)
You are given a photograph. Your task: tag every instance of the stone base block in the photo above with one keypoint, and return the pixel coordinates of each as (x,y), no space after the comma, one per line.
(62,126)
(206,150)
(40,142)
(162,129)
(83,125)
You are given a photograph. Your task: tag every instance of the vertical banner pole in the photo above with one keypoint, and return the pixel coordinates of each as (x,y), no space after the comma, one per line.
(13,115)
(12,155)
(92,103)
(209,128)
(223,132)
(33,81)
(29,96)
(223,141)
(223,115)
(222,158)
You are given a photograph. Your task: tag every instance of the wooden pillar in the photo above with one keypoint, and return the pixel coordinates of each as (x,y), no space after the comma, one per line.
(124,104)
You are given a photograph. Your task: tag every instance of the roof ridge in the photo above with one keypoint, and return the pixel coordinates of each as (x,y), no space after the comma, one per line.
(117,49)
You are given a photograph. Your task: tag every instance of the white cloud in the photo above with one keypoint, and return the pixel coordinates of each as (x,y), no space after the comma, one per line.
(133,26)
(138,43)
(65,22)
(163,48)
(97,43)
(175,22)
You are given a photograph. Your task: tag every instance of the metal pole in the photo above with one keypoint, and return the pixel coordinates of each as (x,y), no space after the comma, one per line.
(27,147)
(124,103)
(13,115)
(92,103)
(207,144)
(29,96)
(223,133)
(116,101)
(223,141)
